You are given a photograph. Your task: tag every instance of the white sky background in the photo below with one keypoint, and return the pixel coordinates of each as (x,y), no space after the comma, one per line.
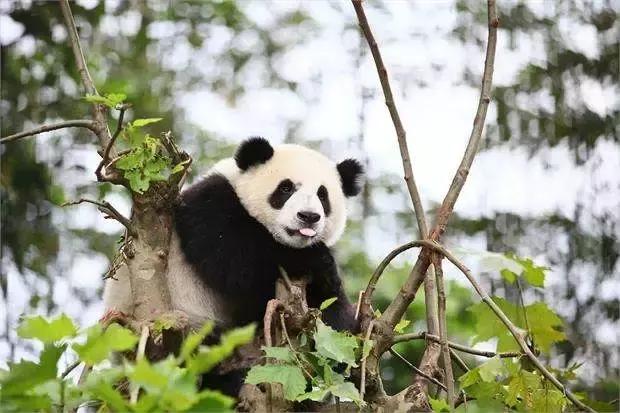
(437,118)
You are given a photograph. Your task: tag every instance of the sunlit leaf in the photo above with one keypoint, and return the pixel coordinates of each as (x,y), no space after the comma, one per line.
(37,327)
(327,303)
(100,343)
(279,353)
(338,346)
(291,378)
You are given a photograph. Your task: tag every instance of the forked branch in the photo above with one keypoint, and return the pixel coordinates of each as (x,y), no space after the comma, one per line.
(108,210)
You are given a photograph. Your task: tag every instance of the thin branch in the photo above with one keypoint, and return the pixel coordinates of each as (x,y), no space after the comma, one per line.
(293,350)
(78,123)
(70,368)
(105,158)
(107,209)
(443,332)
(99,111)
(459,361)
(416,370)
(401,134)
(144,336)
(476,133)
(363,366)
(423,335)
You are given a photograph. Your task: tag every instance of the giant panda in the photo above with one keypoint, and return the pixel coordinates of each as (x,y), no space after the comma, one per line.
(266,208)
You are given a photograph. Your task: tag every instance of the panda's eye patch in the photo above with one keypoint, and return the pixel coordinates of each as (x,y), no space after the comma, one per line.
(281,194)
(324,198)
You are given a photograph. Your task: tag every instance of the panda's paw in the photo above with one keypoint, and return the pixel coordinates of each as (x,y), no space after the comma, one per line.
(113,315)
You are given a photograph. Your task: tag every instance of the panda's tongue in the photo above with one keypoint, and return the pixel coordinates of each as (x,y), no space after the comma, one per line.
(308,232)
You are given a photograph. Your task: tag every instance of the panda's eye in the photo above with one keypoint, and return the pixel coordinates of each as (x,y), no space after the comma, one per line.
(322,193)
(286,186)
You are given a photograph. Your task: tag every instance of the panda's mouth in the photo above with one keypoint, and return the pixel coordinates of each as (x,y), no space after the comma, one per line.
(303,232)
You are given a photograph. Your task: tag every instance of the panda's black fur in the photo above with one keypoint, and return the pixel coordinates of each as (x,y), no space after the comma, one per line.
(236,255)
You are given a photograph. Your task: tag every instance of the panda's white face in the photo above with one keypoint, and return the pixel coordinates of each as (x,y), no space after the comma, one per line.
(296,194)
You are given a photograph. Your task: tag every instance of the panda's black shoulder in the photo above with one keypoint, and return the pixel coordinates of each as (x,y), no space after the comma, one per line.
(219,238)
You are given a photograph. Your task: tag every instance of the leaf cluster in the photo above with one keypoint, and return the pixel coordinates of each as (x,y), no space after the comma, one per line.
(167,385)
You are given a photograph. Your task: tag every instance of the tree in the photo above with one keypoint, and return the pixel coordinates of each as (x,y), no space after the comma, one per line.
(152,169)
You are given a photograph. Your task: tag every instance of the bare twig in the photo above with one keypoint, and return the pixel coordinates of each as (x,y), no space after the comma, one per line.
(272,306)
(363,366)
(443,332)
(421,336)
(79,123)
(109,210)
(459,361)
(70,368)
(416,370)
(105,158)
(293,350)
(144,336)
(476,133)
(99,111)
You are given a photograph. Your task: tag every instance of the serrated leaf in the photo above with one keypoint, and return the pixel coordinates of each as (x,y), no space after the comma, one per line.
(315,395)
(522,387)
(209,356)
(327,303)
(470,378)
(335,345)
(346,390)
(439,405)
(532,273)
(491,369)
(25,375)
(213,401)
(46,331)
(402,324)
(193,340)
(98,99)
(279,353)
(138,123)
(100,343)
(291,378)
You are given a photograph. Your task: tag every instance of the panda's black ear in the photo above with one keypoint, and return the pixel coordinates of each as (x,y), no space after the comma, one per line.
(253,151)
(351,172)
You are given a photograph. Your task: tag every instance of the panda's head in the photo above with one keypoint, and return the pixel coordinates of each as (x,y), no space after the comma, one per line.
(295,192)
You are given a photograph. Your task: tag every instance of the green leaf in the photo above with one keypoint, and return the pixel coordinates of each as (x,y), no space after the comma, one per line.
(402,324)
(209,356)
(138,123)
(335,345)
(315,395)
(193,340)
(543,323)
(99,343)
(470,378)
(491,369)
(37,327)
(522,387)
(327,303)
(279,353)
(213,401)
(291,378)
(110,100)
(533,274)
(367,345)
(25,375)
(116,98)
(346,390)
(439,405)
(508,275)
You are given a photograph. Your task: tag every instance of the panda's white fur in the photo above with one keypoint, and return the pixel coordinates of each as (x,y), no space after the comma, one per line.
(195,292)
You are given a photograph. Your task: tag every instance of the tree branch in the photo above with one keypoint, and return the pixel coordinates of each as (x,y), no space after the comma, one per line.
(105,158)
(425,336)
(416,370)
(79,123)
(443,332)
(99,111)
(107,209)
(474,139)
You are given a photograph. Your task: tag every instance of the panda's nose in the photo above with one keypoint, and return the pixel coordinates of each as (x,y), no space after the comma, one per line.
(308,217)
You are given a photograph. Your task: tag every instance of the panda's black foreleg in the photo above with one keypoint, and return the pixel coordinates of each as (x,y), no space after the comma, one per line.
(326,283)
